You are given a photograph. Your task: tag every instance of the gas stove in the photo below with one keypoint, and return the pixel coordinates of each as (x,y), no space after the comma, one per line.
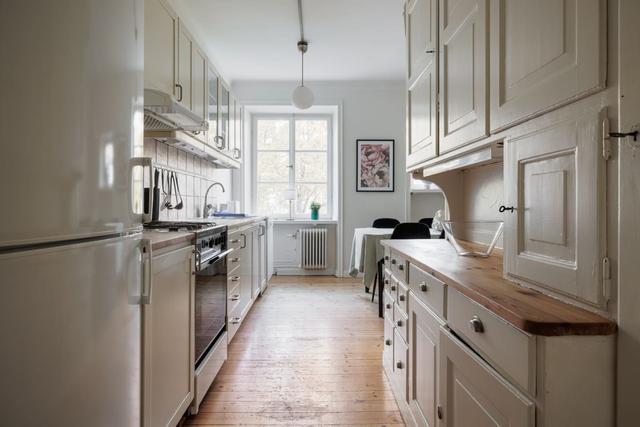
(180,225)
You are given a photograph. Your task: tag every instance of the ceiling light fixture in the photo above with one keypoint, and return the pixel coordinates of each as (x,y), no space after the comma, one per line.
(302,97)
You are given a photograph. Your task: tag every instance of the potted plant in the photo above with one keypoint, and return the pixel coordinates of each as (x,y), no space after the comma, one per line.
(315,209)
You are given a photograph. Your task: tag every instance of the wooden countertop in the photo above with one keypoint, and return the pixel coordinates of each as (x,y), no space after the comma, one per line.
(162,239)
(481,280)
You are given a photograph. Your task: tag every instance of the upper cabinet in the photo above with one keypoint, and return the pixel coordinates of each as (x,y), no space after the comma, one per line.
(183,81)
(422,31)
(223,116)
(463,72)
(160,38)
(212,107)
(544,54)
(199,80)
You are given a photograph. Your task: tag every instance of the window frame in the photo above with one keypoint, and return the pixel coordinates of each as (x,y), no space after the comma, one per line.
(292,118)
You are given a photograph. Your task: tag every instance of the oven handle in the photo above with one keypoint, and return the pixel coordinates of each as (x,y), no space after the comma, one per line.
(216,257)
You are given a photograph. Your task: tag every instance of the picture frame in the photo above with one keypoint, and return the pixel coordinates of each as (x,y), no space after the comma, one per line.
(375,170)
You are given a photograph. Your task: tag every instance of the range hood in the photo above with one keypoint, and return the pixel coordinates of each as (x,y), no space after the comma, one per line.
(162,112)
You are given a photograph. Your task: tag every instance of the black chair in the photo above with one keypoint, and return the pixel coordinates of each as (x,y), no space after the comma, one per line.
(385,223)
(427,221)
(406,230)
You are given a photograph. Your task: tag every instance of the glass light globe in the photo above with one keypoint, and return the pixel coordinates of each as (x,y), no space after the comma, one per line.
(302,97)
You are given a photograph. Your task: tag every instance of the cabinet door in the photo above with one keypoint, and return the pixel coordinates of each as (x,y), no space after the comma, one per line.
(463,72)
(246,272)
(423,362)
(231,127)
(544,54)
(198,82)
(212,107)
(160,37)
(423,124)
(223,116)
(183,85)
(262,260)
(422,30)
(554,179)
(169,339)
(239,131)
(472,394)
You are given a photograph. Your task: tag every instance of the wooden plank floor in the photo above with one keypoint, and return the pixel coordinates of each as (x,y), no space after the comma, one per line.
(309,353)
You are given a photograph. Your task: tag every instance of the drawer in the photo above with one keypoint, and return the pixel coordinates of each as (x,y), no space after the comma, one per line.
(392,287)
(234,320)
(509,350)
(233,261)
(233,298)
(398,266)
(400,319)
(387,351)
(388,306)
(236,242)
(233,280)
(403,297)
(400,358)
(428,289)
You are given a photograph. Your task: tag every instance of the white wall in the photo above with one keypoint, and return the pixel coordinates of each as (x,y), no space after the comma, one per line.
(368,110)
(425,205)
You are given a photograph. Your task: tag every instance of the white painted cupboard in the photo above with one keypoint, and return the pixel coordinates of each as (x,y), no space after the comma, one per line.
(161,26)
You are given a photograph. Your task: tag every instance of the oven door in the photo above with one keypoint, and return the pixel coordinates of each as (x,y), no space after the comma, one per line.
(210,304)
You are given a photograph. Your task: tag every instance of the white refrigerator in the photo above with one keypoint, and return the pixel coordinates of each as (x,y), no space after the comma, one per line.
(73,265)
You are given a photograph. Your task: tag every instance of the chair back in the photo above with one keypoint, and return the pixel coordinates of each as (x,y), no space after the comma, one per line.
(426,221)
(385,223)
(411,230)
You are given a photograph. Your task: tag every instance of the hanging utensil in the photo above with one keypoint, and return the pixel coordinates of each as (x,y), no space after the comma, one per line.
(180,204)
(169,184)
(155,210)
(163,203)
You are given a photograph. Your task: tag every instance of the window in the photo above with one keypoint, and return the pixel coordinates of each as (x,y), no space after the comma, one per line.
(292,152)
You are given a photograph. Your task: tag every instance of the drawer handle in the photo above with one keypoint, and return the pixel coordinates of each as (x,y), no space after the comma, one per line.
(393,287)
(393,261)
(424,287)
(386,281)
(387,342)
(386,257)
(235,297)
(399,365)
(235,278)
(235,259)
(388,306)
(399,323)
(235,320)
(400,267)
(235,241)
(401,297)
(476,325)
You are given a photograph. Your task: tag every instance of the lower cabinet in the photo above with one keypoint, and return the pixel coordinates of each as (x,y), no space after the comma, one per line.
(473,394)
(424,331)
(168,338)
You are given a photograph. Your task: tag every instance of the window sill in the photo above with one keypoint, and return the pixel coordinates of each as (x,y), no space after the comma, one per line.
(286,221)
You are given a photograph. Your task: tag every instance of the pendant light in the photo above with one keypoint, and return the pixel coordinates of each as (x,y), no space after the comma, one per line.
(302,97)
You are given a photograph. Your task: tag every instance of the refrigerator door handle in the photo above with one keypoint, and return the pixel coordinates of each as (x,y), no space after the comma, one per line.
(147,165)
(147,272)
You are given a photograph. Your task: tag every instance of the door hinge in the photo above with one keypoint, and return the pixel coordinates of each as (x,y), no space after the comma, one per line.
(606,139)
(440,415)
(606,278)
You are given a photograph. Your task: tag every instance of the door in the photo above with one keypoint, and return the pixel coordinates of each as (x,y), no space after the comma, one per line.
(70,316)
(471,394)
(183,81)
(79,176)
(463,72)
(423,362)
(199,82)
(544,54)
(168,367)
(212,107)
(554,180)
(422,31)
(160,36)
(423,117)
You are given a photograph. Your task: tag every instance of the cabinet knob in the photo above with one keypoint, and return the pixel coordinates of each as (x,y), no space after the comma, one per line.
(476,324)
(424,287)
(388,306)
(386,281)
(430,51)
(235,259)
(235,278)
(503,208)
(401,297)
(399,323)
(235,297)
(387,342)
(399,365)
(393,261)
(393,287)
(386,257)
(439,412)
(235,320)
(400,267)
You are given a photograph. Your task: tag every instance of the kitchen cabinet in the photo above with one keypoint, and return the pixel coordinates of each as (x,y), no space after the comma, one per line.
(472,394)
(424,330)
(463,76)
(422,33)
(554,180)
(168,338)
(232,129)
(199,81)
(160,37)
(544,54)
(223,116)
(262,257)
(212,107)
(183,79)
(239,133)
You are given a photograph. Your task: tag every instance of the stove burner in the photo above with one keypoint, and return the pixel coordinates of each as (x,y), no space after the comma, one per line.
(179,225)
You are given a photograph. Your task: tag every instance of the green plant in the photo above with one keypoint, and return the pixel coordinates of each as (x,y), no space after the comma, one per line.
(315,206)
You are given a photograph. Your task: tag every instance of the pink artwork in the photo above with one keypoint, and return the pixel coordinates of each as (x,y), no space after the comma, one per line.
(375,165)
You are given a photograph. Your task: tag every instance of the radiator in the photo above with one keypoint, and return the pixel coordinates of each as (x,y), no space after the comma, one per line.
(313,248)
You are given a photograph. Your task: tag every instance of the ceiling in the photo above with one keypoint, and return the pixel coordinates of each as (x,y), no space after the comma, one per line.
(256,39)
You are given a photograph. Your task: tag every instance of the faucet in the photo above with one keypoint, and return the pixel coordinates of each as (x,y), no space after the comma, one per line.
(205,211)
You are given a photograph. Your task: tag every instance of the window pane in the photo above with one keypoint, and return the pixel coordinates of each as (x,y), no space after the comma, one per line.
(311,167)
(308,193)
(311,134)
(273,166)
(270,199)
(272,134)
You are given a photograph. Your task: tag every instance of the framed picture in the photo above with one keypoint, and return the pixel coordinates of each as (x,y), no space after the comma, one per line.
(374,165)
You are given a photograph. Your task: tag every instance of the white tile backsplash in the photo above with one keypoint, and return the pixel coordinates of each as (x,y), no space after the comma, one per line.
(199,174)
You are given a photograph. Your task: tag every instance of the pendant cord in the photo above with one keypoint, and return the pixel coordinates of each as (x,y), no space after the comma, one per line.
(302,68)
(300,19)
